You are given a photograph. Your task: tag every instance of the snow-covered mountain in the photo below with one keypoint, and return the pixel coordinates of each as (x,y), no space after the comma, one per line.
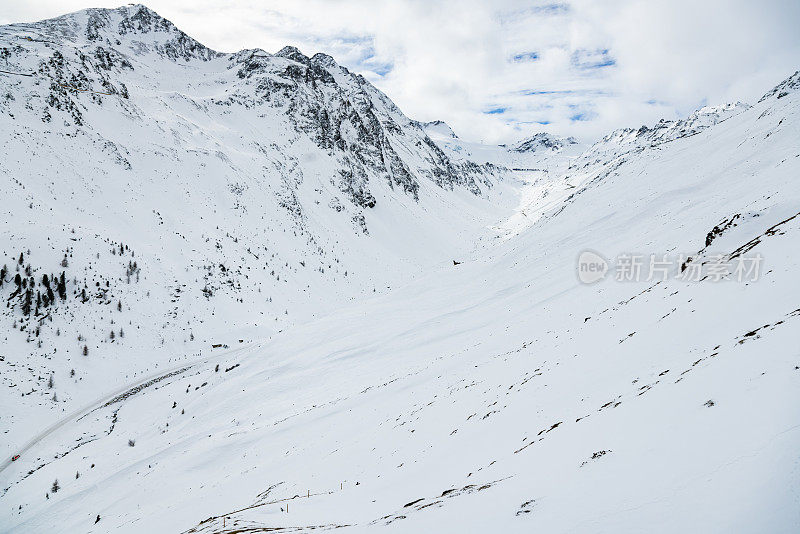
(438,129)
(544,142)
(207,199)
(497,394)
(541,152)
(538,162)
(178,197)
(570,176)
(625,140)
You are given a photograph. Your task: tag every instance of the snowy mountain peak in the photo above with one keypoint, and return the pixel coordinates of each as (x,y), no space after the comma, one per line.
(438,129)
(790,84)
(293,53)
(134,25)
(544,141)
(336,108)
(323,60)
(627,139)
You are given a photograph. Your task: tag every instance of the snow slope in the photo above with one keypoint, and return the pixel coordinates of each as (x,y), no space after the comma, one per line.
(567,176)
(500,394)
(538,162)
(191,198)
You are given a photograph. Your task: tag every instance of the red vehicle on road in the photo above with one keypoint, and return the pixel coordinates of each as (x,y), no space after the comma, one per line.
(14,458)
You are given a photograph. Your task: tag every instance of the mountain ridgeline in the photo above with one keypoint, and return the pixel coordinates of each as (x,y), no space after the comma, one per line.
(183,194)
(245,293)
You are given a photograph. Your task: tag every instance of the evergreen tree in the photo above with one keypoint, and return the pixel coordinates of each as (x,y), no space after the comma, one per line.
(27,301)
(62,287)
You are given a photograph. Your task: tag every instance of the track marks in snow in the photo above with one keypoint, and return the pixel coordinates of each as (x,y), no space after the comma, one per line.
(422,503)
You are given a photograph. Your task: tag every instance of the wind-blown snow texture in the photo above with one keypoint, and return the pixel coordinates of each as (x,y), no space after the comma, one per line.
(499,394)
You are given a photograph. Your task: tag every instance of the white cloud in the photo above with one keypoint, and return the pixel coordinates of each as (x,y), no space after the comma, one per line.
(497,70)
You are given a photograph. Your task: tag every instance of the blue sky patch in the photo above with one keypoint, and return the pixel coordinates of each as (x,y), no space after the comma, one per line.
(584,59)
(382,69)
(525,57)
(581,112)
(368,61)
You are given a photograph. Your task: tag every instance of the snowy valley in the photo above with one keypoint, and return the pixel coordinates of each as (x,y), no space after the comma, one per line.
(246,293)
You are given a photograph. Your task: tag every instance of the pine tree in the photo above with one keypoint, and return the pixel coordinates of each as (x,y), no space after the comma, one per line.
(62,287)
(49,290)
(26,303)
(86,350)
(55,486)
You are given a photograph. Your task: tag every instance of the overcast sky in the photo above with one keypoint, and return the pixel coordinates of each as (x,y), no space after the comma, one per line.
(498,71)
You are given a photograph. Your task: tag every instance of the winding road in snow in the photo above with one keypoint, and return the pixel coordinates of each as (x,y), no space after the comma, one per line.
(74,416)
